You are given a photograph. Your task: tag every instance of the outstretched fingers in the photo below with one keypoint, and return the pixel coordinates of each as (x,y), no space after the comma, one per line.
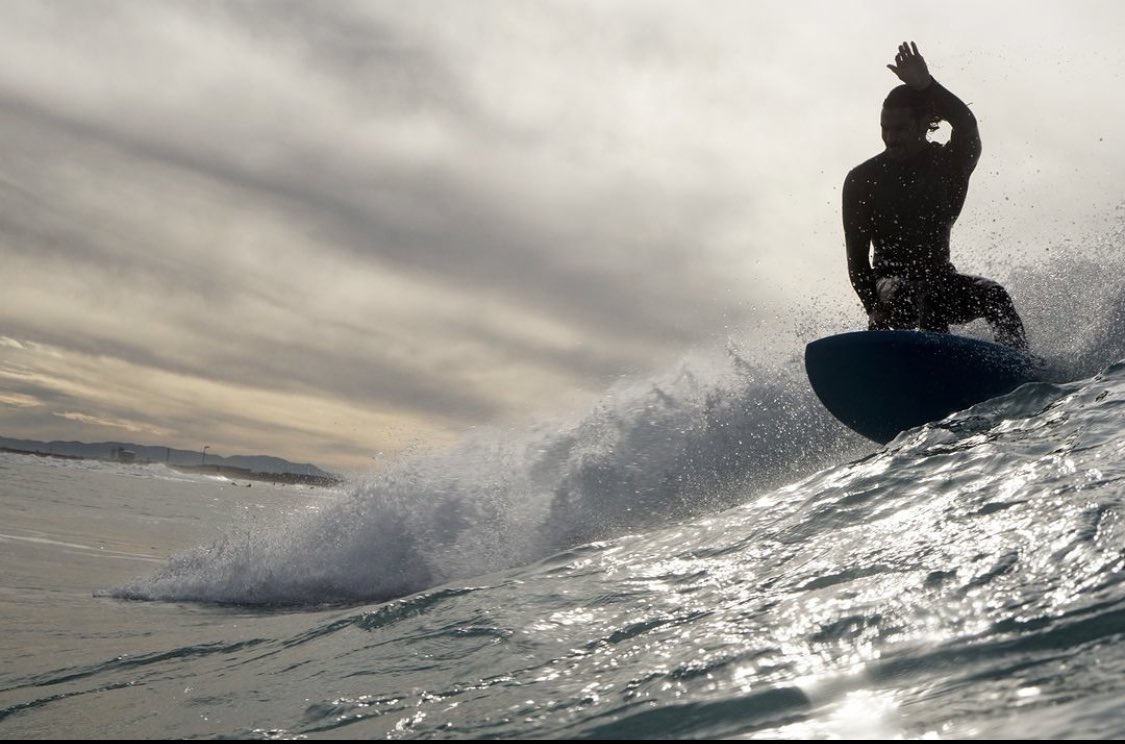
(906,52)
(909,65)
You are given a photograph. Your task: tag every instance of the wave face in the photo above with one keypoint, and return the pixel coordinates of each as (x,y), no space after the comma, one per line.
(965,581)
(704,554)
(710,434)
(651,454)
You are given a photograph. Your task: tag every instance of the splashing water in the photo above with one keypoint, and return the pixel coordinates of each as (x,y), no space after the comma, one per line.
(650,454)
(706,436)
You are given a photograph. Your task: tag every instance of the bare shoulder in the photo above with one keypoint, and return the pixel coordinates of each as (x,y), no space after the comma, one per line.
(865,172)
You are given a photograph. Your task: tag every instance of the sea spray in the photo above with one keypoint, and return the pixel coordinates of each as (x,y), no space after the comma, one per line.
(709,433)
(1073,305)
(702,437)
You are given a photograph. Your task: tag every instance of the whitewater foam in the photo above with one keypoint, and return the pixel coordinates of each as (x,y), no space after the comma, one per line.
(708,434)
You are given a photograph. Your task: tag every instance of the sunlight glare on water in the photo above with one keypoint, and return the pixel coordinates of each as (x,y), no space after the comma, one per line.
(640,574)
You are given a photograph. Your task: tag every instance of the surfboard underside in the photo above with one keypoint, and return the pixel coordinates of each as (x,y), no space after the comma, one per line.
(881,383)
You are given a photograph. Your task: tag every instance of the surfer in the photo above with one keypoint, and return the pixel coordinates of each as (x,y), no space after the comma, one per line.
(903,202)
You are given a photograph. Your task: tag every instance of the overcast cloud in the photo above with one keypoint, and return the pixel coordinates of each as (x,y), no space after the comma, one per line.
(325,230)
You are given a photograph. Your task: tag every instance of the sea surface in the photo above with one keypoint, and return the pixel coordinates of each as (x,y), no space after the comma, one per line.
(704,554)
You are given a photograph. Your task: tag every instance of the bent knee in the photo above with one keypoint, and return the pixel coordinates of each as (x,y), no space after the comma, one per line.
(991,292)
(889,289)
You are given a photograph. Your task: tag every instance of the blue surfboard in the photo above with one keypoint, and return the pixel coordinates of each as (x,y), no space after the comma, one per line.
(881,383)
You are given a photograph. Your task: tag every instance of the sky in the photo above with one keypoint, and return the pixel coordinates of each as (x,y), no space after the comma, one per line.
(339,231)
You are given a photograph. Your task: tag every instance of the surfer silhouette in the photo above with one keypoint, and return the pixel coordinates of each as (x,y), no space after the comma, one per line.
(899,208)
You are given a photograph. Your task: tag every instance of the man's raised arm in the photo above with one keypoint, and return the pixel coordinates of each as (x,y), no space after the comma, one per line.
(912,69)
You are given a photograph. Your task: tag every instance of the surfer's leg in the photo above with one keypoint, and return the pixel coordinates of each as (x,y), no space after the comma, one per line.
(1000,312)
(965,298)
(898,296)
(1002,316)
(934,302)
(932,315)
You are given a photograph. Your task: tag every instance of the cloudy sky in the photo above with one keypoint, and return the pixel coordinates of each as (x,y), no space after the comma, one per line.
(330,230)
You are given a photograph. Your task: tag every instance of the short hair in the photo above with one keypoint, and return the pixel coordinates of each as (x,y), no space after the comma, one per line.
(918,101)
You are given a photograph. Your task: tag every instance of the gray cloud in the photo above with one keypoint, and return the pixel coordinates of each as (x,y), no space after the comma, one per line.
(431,219)
(447,210)
(439,218)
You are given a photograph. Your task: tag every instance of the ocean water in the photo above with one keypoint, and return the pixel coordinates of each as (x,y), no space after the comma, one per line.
(704,554)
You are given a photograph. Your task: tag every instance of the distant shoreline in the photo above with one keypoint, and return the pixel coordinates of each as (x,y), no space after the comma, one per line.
(226,471)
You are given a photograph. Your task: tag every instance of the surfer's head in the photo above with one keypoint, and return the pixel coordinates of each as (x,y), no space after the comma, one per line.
(907,117)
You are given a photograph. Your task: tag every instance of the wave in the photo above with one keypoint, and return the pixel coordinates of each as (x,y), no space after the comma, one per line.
(709,434)
(650,454)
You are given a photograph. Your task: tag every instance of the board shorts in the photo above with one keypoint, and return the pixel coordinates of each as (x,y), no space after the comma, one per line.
(935,301)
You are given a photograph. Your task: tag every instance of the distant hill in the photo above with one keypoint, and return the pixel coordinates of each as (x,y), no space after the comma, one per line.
(183,459)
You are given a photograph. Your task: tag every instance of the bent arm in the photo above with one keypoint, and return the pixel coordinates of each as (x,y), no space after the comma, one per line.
(859,269)
(857,236)
(964,142)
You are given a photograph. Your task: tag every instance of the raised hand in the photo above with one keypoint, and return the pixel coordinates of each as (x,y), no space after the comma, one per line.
(910,67)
